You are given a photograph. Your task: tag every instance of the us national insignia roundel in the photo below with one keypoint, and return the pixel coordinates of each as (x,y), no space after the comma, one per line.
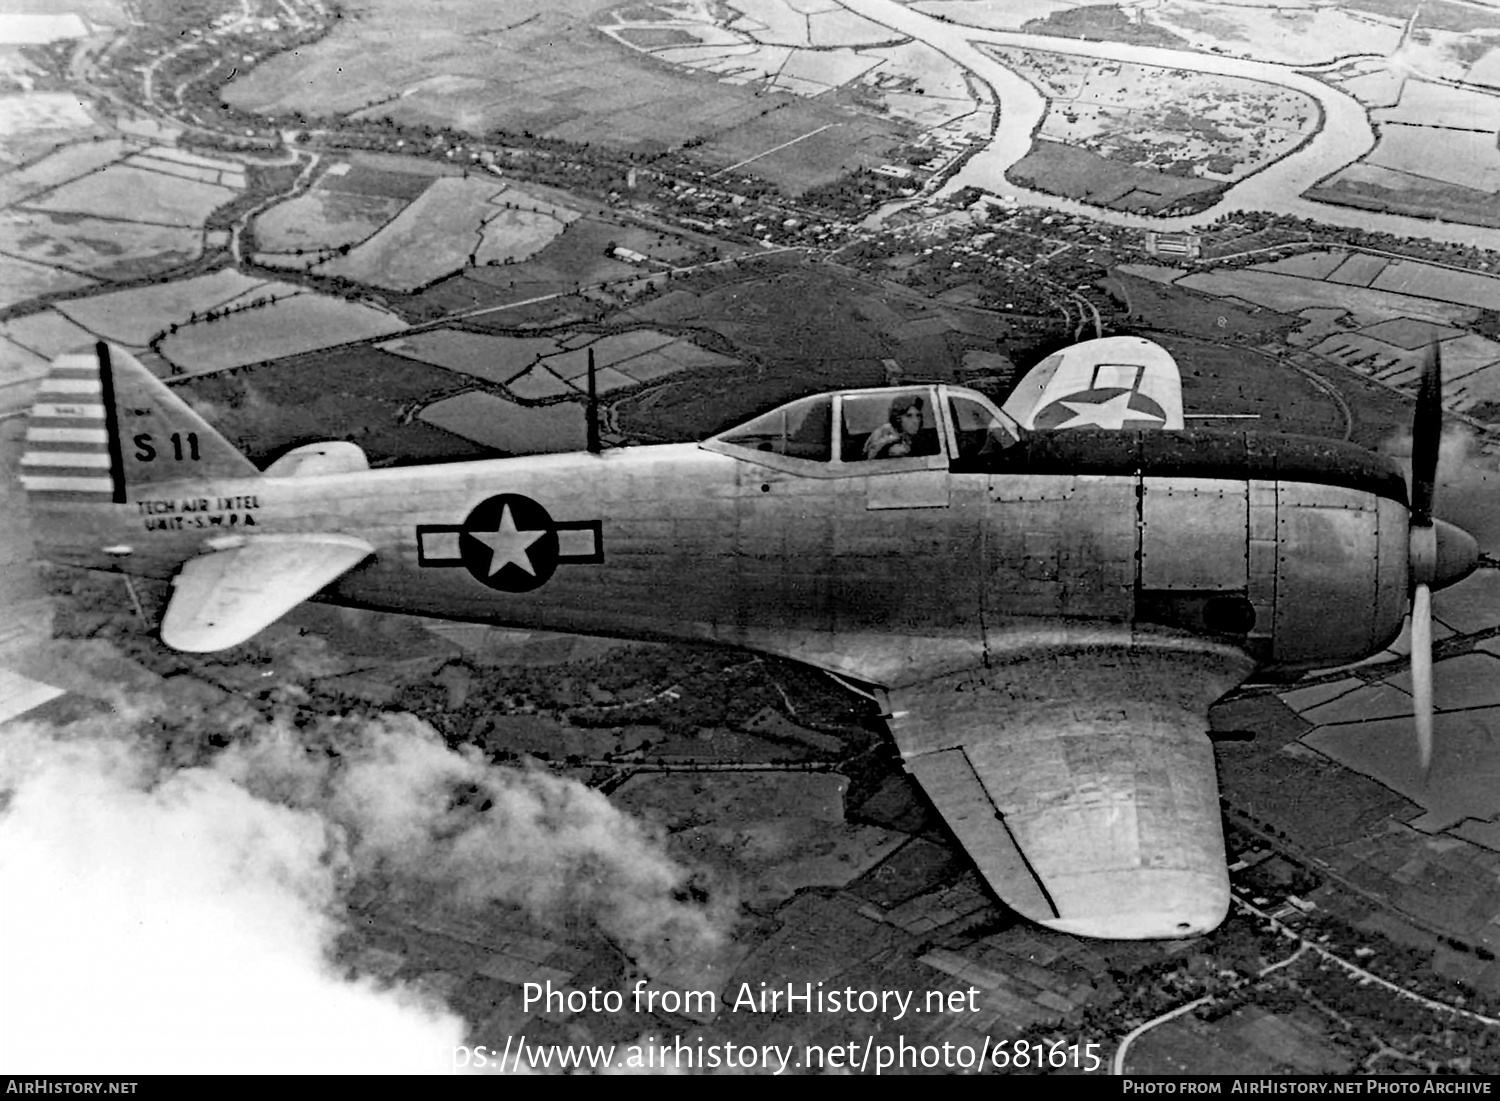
(510,543)
(1106,407)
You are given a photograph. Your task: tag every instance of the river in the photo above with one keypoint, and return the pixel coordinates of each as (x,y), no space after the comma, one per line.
(1343,136)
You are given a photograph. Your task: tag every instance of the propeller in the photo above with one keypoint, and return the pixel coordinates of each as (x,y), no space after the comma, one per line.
(1426,435)
(1439,553)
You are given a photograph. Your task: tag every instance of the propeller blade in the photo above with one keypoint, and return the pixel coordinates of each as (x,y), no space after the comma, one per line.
(1426,436)
(1421,670)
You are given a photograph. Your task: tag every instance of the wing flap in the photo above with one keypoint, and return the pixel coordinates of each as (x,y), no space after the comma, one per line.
(956,790)
(1096,814)
(222,598)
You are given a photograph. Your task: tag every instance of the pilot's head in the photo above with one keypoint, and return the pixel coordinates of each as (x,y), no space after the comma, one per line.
(906,414)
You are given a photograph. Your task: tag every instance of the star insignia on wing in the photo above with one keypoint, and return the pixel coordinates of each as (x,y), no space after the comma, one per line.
(508,544)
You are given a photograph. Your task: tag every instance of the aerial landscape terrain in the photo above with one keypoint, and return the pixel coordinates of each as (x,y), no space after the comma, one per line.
(365,841)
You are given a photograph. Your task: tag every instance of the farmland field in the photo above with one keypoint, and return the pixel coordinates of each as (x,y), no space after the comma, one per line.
(1370,188)
(543,67)
(495,359)
(1004,15)
(358,393)
(298,324)
(323,219)
(1459,157)
(222,172)
(1359,270)
(18,364)
(538,384)
(1317,264)
(1426,104)
(1285,33)
(504,426)
(36,122)
(432,237)
(21,279)
(67,163)
(522,225)
(106,249)
(1079,174)
(548,71)
(1290,293)
(154,196)
(134,316)
(1430,281)
(47,333)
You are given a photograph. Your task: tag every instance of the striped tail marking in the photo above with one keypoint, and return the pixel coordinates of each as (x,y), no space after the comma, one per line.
(72,442)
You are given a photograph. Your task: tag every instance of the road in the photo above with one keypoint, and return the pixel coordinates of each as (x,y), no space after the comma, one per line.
(1343,136)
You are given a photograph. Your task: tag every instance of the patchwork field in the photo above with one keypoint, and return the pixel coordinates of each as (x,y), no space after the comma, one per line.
(18,364)
(104,249)
(152,196)
(536,66)
(544,67)
(320,219)
(1372,314)
(1295,34)
(456,222)
(495,359)
(21,280)
(809,51)
(34,123)
(47,333)
(1289,294)
(1002,15)
(298,324)
(1080,174)
(504,426)
(60,166)
(538,368)
(357,393)
(1462,157)
(134,316)
(1371,188)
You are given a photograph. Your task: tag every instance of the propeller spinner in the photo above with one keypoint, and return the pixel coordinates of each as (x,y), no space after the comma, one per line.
(1440,553)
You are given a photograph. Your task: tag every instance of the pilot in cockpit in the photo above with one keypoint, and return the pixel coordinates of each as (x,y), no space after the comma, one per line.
(898,436)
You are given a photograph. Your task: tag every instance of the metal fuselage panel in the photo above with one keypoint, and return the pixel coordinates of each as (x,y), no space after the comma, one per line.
(853,573)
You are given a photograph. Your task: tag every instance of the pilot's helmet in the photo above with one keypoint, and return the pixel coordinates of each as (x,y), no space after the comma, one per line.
(900,405)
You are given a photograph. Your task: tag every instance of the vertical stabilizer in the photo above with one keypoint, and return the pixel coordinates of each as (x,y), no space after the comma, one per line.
(102,426)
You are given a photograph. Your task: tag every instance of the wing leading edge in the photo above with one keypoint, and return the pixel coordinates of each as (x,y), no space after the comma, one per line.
(221,599)
(1082,782)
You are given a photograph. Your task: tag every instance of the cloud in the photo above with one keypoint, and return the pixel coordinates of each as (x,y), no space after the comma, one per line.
(417,811)
(176,923)
(169,919)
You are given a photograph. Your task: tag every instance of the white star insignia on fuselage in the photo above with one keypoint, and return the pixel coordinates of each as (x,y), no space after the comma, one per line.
(508,544)
(1106,414)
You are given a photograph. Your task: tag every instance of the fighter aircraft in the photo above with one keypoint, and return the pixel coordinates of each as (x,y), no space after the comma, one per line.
(1045,614)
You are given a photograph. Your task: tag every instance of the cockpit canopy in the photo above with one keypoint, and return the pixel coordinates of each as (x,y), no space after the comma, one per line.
(891,428)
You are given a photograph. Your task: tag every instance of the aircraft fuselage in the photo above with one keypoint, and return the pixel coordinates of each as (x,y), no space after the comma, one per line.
(867,574)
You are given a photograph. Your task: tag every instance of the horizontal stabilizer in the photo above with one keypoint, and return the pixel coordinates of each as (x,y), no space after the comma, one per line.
(222,598)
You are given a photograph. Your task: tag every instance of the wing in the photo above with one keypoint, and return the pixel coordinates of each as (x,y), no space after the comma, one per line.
(221,599)
(1115,382)
(1082,782)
